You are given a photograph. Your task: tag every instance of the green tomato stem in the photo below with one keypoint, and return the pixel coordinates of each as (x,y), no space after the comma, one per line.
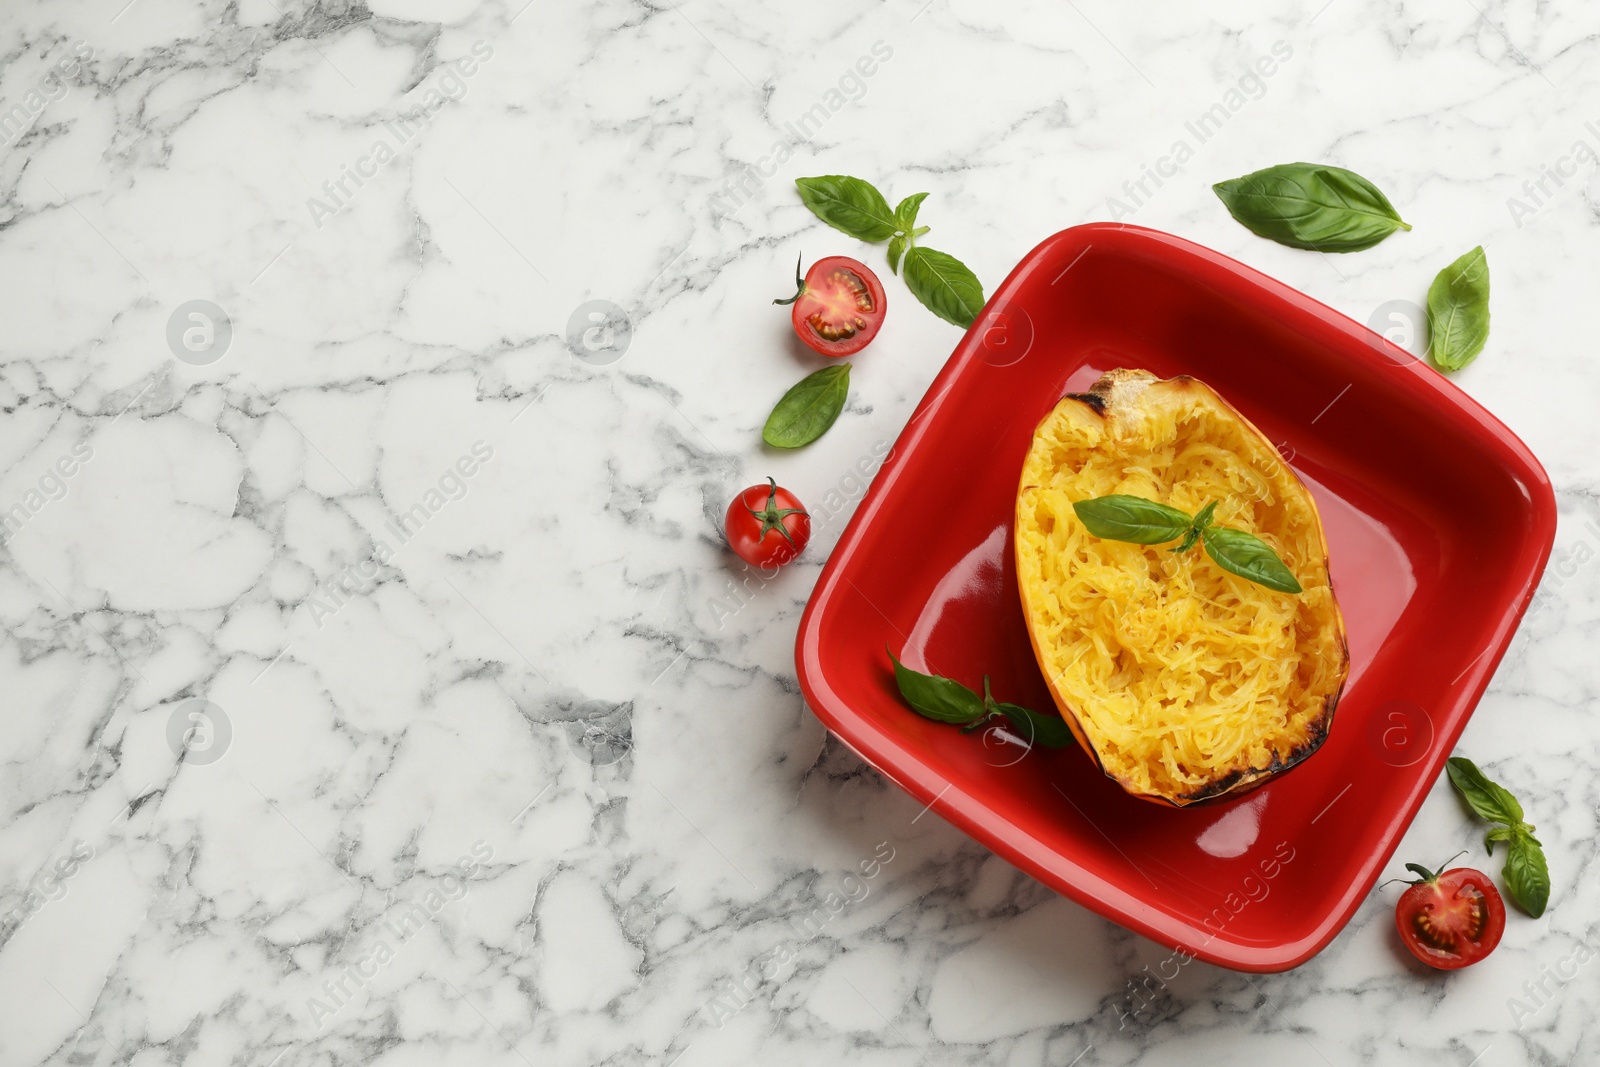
(799,283)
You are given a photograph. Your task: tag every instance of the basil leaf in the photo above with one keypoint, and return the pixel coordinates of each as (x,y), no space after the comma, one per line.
(849,205)
(809,407)
(1499,833)
(1051,731)
(1527,877)
(944,285)
(1490,801)
(905,212)
(897,248)
(1309,205)
(1248,556)
(933,697)
(1458,311)
(1119,517)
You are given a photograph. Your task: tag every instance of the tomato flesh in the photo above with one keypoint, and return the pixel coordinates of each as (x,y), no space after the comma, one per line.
(766,526)
(1452,920)
(839,308)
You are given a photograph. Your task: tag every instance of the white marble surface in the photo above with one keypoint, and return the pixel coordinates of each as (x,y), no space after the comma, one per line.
(514,796)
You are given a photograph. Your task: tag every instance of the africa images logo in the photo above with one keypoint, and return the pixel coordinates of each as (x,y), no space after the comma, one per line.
(199,732)
(598,332)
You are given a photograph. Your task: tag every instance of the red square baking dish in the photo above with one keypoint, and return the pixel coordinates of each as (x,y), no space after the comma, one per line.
(1439,523)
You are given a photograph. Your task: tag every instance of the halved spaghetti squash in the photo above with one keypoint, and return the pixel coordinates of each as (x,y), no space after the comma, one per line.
(1183,681)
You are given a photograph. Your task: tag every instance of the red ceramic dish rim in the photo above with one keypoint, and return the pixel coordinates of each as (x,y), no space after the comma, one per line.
(992,828)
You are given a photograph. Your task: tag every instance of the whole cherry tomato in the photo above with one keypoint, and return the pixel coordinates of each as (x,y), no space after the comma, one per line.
(1451,919)
(766,526)
(838,307)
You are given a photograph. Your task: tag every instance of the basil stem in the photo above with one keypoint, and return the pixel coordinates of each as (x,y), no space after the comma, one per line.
(1201,521)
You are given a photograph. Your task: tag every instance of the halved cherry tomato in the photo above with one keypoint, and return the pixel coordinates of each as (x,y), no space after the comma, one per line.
(838,307)
(1452,919)
(766,526)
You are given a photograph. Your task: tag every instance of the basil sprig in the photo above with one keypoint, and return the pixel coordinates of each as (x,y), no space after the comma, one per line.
(809,407)
(946,700)
(855,207)
(1458,311)
(1120,517)
(1311,205)
(1527,877)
